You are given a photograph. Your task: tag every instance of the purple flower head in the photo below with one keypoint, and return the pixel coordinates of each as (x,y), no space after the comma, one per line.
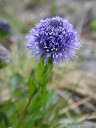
(53,38)
(4,26)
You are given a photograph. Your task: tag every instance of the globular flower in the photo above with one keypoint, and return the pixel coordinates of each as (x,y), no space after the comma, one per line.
(4,26)
(4,57)
(55,39)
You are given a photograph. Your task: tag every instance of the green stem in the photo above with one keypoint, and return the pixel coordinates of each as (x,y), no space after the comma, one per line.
(41,72)
(25,111)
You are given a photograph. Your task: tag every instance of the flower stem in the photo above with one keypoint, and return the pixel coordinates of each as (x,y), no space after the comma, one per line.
(25,111)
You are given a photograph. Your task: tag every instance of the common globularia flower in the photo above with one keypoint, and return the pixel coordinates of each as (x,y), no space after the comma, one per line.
(4,26)
(53,38)
(4,57)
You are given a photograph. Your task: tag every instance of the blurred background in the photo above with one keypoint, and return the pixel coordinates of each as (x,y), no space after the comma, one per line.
(75,82)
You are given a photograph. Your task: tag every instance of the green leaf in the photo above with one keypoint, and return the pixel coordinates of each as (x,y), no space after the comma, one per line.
(37,101)
(33,117)
(21,105)
(51,100)
(33,84)
(40,69)
(39,77)
(46,76)
(41,106)
(43,73)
